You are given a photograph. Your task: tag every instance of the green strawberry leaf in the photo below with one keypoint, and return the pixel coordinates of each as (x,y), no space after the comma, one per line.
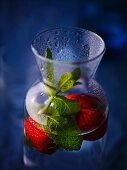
(49,68)
(65,106)
(68,138)
(67,80)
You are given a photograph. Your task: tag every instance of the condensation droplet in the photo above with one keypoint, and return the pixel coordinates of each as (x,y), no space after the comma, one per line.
(67,39)
(77,41)
(57,44)
(59,51)
(56,32)
(48,40)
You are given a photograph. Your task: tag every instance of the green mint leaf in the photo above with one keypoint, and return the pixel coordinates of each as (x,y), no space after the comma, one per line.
(65,106)
(76,73)
(68,138)
(64,131)
(48,53)
(55,123)
(49,68)
(67,80)
(49,90)
(53,112)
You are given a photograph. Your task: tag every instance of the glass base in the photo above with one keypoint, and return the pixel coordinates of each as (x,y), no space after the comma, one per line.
(90,157)
(91,154)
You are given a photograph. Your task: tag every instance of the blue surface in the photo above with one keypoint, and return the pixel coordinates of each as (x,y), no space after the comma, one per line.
(20,21)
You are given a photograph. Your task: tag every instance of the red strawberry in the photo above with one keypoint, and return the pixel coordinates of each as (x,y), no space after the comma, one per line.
(38,137)
(89,119)
(98,133)
(90,116)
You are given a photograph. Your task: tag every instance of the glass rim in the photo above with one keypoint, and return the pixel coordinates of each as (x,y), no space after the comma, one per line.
(35,52)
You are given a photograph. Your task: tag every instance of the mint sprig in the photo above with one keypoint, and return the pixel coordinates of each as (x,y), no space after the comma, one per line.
(66,82)
(59,110)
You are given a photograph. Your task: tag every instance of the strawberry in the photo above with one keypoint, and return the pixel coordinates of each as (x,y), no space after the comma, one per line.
(38,137)
(89,119)
(90,116)
(98,133)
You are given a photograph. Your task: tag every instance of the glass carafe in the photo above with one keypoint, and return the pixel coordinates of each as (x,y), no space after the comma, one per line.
(66,110)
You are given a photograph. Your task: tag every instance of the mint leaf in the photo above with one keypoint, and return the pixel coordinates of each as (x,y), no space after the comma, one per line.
(76,73)
(64,132)
(68,138)
(67,80)
(65,106)
(49,68)
(55,123)
(49,90)
(48,53)
(52,111)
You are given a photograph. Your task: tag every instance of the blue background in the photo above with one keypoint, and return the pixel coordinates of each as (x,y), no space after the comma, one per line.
(20,20)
